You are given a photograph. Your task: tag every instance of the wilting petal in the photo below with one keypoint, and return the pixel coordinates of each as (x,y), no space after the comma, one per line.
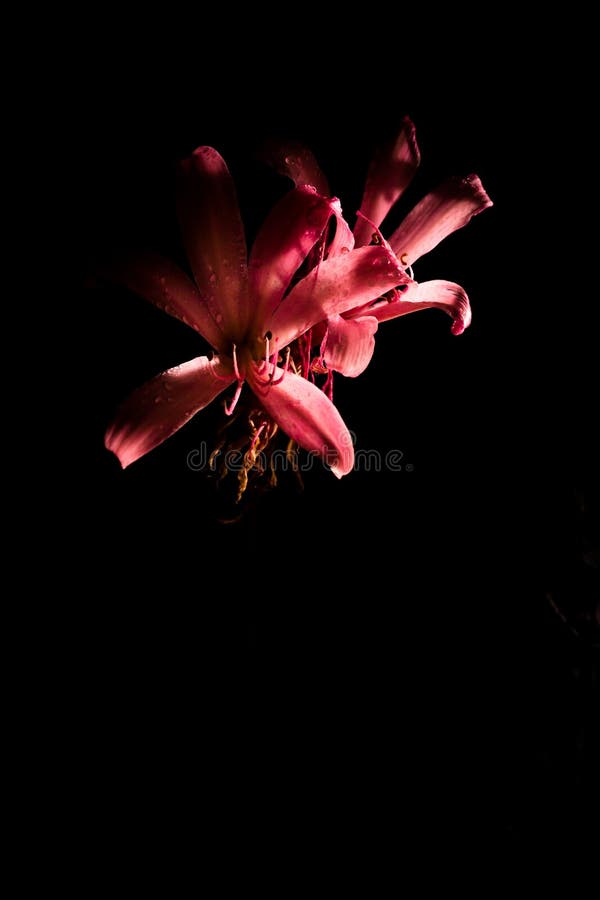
(293,160)
(214,237)
(288,235)
(390,173)
(448,208)
(166,286)
(306,415)
(445,295)
(160,407)
(348,344)
(334,286)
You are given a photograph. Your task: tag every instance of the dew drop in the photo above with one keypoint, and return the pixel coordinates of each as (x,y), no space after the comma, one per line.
(212,278)
(345,250)
(157,399)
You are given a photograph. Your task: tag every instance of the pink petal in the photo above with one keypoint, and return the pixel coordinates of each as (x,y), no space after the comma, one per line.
(343,239)
(390,173)
(307,415)
(155,411)
(334,286)
(448,208)
(288,235)
(163,283)
(214,238)
(349,344)
(292,160)
(445,295)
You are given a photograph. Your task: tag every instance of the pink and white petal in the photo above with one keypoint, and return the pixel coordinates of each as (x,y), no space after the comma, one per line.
(390,173)
(213,234)
(343,239)
(159,408)
(348,344)
(287,236)
(333,287)
(448,208)
(308,416)
(162,283)
(444,295)
(293,160)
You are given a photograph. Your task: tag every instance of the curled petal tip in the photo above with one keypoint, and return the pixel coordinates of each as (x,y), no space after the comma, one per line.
(474,182)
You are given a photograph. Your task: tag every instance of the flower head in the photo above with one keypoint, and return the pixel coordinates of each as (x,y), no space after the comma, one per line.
(347,339)
(250,310)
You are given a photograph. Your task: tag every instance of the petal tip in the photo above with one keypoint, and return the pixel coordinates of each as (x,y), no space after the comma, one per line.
(481,195)
(411,136)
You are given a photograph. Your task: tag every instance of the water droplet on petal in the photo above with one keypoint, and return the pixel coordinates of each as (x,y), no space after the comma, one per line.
(157,399)
(212,278)
(219,318)
(345,250)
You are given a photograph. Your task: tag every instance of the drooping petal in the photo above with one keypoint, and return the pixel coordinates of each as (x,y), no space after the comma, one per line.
(293,160)
(287,236)
(349,344)
(390,173)
(306,415)
(164,284)
(334,286)
(155,411)
(444,295)
(213,234)
(448,208)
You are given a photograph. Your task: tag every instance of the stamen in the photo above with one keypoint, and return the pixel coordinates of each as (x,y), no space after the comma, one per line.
(319,366)
(230,408)
(235,365)
(377,237)
(256,437)
(270,382)
(285,370)
(403,258)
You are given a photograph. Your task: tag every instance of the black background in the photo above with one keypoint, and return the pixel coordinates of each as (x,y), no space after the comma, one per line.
(383,650)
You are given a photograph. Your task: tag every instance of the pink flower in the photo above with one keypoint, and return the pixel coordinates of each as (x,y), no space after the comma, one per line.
(348,341)
(247,312)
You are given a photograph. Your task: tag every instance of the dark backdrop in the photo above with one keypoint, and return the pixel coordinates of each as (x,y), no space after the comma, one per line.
(409,649)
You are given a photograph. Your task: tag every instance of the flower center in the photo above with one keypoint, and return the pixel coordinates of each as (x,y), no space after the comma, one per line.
(266,368)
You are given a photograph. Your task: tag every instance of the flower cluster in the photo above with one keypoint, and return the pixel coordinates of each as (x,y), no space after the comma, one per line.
(305,303)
